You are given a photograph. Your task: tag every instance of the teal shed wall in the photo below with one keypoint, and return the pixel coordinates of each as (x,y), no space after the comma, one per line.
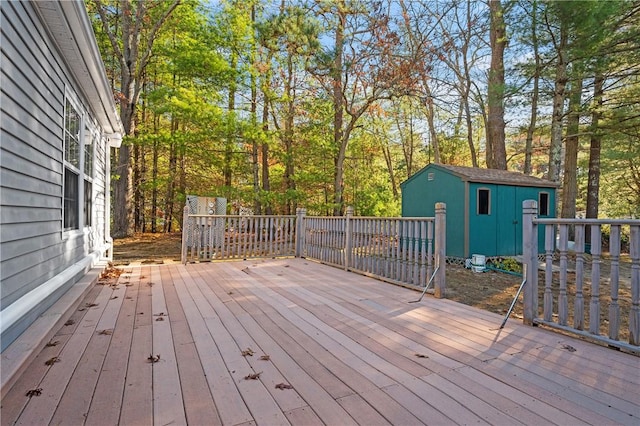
(444,188)
(497,234)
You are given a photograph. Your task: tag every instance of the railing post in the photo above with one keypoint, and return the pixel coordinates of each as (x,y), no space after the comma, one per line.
(185,226)
(440,248)
(634,314)
(530,259)
(348,241)
(300,230)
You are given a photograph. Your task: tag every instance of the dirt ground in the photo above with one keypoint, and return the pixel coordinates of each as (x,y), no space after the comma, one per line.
(492,291)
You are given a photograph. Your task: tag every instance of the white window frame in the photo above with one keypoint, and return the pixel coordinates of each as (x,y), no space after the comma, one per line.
(71,99)
(93,136)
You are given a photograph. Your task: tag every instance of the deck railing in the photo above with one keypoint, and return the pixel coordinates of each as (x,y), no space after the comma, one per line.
(225,237)
(404,251)
(572,299)
(399,250)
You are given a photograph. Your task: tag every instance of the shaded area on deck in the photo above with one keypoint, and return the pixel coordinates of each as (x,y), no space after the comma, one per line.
(351,348)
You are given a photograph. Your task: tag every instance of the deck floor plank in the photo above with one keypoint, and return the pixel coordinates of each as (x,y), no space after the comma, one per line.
(198,402)
(231,406)
(346,343)
(137,402)
(40,410)
(168,407)
(106,403)
(352,353)
(74,405)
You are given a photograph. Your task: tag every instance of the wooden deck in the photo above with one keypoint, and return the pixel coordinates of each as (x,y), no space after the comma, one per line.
(351,348)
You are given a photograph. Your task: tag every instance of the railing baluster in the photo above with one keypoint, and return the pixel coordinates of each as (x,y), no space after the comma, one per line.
(548,295)
(578,318)
(634,314)
(614,308)
(563,305)
(594,304)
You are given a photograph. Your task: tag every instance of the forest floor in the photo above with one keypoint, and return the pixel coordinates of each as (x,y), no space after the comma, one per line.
(492,291)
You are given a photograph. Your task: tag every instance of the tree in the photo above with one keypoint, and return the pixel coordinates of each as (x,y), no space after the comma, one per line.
(364,66)
(496,151)
(132,30)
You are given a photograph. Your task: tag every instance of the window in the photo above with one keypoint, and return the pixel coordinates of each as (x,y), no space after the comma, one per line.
(484,201)
(72,148)
(89,148)
(543,204)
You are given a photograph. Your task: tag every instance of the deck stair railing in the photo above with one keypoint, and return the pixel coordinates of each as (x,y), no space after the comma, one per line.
(398,250)
(571,295)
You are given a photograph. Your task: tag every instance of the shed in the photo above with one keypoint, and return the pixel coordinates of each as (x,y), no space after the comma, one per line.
(58,121)
(484,206)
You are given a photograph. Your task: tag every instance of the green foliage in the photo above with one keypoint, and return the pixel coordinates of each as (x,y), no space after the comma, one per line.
(508,264)
(211,60)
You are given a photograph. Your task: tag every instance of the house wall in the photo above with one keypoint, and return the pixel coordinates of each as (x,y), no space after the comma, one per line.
(34,249)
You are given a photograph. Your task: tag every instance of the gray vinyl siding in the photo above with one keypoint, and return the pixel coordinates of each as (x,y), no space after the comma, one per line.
(33,246)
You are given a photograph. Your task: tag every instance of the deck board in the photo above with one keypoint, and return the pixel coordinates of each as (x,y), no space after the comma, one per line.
(347,344)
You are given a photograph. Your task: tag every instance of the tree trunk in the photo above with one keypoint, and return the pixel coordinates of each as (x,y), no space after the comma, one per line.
(154,190)
(266,184)
(231,128)
(497,154)
(555,150)
(593,184)
(570,182)
(289,182)
(338,114)
(171,181)
(255,165)
(528,147)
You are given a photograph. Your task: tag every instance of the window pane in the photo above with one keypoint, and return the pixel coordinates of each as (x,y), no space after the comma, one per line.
(71,219)
(543,204)
(88,200)
(71,135)
(90,141)
(483,201)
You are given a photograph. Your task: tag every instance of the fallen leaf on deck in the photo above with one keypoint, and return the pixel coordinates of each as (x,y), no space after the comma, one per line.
(150,284)
(34,392)
(247,352)
(161,314)
(52,360)
(52,343)
(70,322)
(90,305)
(422,356)
(114,297)
(153,358)
(160,319)
(254,376)
(107,332)
(284,386)
(265,358)
(569,348)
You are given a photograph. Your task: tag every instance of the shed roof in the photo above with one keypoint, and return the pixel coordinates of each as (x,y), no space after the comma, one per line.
(502,177)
